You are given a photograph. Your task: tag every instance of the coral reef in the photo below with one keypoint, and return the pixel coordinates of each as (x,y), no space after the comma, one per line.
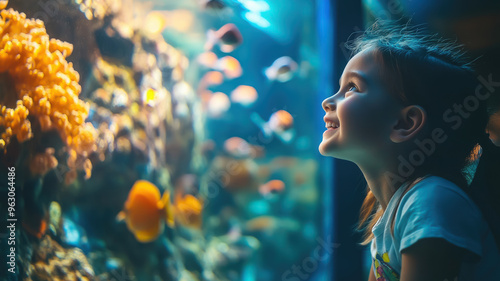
(46,85)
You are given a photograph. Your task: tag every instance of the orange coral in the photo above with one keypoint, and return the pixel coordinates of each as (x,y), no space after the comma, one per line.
(41,163)
(46,84)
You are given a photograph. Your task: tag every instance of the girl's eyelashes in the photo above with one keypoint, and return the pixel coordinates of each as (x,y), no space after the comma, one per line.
(351,87)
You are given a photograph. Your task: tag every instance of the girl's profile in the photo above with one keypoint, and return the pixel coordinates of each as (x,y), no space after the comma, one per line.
(410,114)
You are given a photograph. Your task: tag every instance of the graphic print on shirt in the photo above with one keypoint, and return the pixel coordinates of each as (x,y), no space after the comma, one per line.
(383,271)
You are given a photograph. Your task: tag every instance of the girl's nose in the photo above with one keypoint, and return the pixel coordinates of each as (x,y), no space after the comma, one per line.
(329,104)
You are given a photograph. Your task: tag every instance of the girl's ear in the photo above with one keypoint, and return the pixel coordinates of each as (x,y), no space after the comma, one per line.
(411,120)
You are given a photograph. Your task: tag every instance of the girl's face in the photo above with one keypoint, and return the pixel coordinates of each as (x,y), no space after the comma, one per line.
(362,111)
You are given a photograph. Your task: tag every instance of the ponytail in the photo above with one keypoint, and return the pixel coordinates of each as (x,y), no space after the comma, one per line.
(485,186)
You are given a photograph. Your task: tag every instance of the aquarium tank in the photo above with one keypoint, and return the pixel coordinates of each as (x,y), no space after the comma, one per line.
(163,140)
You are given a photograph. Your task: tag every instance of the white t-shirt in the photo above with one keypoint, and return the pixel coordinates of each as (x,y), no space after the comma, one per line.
(434,207)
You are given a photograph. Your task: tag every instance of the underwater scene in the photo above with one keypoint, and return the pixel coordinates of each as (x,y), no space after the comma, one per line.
(161,140)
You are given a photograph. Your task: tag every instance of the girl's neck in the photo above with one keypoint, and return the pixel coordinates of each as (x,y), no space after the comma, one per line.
(382,181)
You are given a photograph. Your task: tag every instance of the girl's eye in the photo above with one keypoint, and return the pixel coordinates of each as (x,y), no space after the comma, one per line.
(352,87)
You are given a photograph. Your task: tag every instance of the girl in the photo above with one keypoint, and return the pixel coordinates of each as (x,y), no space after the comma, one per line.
(410,112)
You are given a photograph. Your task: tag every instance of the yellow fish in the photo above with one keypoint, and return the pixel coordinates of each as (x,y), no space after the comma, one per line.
(188,210)
(145,211)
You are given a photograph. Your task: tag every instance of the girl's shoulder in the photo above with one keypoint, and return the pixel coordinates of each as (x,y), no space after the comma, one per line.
(437,192)
(438,208)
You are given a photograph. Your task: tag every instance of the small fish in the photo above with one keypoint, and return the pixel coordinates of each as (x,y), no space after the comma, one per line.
(188,210)
(244,95)
(215,5)
(272,187)
(237,147)
(261,223)
(280,123)
(207,59)
(230,66)
(281,70)
(145,211)
(211,78)
(218,104)
(228,37)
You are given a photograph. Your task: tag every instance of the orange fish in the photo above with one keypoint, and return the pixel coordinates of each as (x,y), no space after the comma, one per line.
(228,37)
(244,95)
(230,66)
(188,210)
(211,78)
(272,187)
(280,123)
(281,120)
(145,211)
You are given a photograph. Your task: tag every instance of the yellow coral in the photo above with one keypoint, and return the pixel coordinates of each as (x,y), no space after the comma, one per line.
(46,84)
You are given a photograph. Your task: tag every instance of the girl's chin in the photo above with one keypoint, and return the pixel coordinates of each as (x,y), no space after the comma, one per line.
(333,150)
(327,150)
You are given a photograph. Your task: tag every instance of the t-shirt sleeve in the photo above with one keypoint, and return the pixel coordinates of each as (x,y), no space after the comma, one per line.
(438,210)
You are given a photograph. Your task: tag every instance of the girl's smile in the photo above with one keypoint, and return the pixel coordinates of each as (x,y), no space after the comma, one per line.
(331,126)
(360,116)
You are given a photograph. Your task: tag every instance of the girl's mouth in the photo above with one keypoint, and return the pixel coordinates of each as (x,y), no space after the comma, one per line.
(330,130)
